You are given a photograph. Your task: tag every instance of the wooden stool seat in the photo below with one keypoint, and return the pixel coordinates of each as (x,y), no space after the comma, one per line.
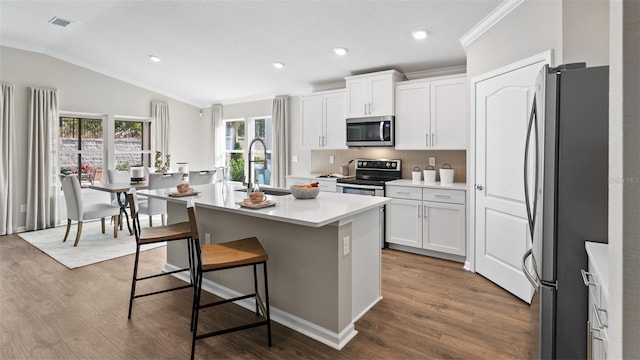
(233,253)
(165,233)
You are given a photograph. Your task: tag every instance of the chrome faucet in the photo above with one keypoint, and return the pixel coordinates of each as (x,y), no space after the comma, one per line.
(250,160)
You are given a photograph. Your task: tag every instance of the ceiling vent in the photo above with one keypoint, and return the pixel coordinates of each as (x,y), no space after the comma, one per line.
(59,22)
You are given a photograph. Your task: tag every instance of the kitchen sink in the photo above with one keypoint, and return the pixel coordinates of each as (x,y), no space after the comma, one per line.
(272,192)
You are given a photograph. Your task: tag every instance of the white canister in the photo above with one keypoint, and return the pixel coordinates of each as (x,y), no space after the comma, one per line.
(429,174)
(183,167)
(416,175)
(446,175)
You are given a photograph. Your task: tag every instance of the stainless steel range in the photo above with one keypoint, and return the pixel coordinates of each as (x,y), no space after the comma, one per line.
(370,179)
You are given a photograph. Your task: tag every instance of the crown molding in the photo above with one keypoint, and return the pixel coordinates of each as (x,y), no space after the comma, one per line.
(452,70)
(489,21)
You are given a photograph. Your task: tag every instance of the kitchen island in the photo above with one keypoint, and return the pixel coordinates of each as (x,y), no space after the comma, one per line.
(324,254)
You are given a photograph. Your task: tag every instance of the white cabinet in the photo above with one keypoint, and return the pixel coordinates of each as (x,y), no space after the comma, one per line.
(323,120)
(427,218)
(432,114)
(597,281)
(371,94)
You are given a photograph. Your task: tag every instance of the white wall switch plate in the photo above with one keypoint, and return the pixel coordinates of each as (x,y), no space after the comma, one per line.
(332,159)
(294,158)
(207,238)
(432,161)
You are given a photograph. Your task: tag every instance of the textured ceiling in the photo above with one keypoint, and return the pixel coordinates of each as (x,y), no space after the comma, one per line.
(215,51)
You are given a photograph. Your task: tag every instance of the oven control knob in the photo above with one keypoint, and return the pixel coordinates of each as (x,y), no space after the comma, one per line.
(388,164)
(364,163)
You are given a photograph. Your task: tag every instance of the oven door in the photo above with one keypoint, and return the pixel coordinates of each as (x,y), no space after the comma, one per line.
(360,189)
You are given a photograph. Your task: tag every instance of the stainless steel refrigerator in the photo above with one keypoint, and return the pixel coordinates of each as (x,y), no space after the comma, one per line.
(565,180)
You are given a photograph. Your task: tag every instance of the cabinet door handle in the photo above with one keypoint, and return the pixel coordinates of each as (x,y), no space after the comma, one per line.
(424,211)
(365,109)
(324,141)
(433,139)
(369,108)
(587,278)
(443,196)
(596,313)
(402,192)
(427,139)
(419,216)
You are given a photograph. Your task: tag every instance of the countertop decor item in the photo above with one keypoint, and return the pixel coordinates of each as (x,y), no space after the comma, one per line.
(416,175)
(429,174)
(446,174)
(304,193)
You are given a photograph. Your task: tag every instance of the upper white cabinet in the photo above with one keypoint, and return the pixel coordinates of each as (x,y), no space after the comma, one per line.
(432,114)
(323,120)
(371,94)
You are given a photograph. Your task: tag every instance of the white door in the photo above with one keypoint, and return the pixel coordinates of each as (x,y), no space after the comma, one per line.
(502,105)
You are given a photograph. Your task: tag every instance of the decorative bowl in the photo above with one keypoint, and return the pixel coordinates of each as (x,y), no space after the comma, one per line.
(304,193)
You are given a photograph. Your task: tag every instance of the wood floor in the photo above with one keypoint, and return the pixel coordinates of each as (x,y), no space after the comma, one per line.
(432,309)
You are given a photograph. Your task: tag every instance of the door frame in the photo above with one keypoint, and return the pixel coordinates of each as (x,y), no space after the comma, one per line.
(470,263)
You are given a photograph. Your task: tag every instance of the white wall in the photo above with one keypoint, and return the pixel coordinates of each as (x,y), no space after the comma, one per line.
(82,90)
(624,188)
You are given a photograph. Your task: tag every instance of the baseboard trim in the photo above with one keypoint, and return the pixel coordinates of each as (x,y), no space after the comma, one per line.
(325,336)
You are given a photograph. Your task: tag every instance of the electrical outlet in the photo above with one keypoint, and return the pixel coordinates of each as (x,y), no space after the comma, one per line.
(23,208)
(346,245)
(432,161)
(332,159)
(207,238)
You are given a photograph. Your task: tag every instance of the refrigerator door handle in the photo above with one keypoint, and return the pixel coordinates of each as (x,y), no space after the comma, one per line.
(531,213)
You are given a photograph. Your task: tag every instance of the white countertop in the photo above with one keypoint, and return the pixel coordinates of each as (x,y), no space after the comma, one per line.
(422,184)
(599,257)
(325,209)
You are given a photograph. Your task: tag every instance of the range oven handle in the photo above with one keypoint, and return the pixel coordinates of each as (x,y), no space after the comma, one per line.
(357,186)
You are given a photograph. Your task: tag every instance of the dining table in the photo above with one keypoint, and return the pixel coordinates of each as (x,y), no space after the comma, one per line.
(120,189)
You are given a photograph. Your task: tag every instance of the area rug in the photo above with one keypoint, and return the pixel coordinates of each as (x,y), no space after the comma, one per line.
(94,246)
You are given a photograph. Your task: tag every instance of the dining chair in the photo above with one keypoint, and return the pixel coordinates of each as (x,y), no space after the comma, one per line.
(173,232)
(157,206)
(79,211)
(201,177)
(223,256)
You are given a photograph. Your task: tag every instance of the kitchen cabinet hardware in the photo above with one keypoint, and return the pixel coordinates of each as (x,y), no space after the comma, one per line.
(479,187)
(587,278)
(443,196)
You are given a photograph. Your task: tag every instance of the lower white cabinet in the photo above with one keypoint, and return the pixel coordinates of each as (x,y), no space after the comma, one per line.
(427,218)
(595,279)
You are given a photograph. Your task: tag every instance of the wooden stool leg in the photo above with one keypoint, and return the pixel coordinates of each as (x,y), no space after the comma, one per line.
(102,223)
(67,232)
(78,234)
(115,226)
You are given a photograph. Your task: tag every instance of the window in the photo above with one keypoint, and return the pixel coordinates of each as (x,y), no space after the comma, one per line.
(131,143)
(237,139)
(81,148)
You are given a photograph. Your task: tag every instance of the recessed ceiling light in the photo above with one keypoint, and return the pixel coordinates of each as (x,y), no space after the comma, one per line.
(419,34)
(154,58)
(278,65)
(340,51)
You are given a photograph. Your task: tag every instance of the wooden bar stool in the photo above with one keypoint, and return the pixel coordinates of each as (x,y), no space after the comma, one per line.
(228,255)
(179,231)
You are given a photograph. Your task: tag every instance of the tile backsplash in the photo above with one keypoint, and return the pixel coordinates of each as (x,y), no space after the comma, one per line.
(410,159)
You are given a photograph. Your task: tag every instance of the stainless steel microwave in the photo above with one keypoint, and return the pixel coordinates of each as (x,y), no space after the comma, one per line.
(371,131)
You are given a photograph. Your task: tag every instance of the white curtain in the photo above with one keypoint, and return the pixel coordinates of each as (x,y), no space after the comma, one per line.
(218,135)
(43,187)
(160,116)
(280,150)
(6,160)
